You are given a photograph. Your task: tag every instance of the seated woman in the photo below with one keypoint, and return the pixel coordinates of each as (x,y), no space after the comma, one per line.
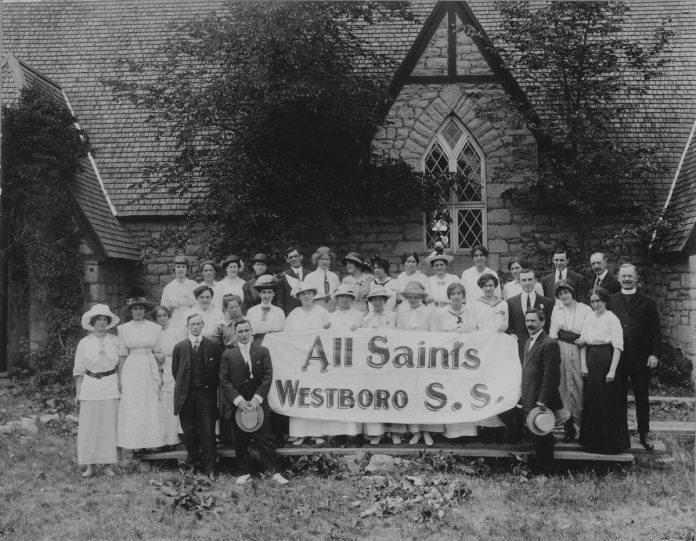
(97,391)
(417,318)
(308,317)
(604,428)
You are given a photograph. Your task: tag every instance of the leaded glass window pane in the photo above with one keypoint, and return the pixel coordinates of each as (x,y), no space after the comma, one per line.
(437,161)
(470,227)
(452,133)
(438,228)
(468,187)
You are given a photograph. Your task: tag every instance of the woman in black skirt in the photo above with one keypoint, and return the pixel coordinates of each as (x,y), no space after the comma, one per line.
(604,428)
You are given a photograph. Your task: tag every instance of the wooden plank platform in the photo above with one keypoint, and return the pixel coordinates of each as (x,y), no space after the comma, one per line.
(669,427)
(563,451)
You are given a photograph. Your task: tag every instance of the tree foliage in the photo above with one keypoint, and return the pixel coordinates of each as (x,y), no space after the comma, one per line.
(42,150)
(272,107)
(589,75)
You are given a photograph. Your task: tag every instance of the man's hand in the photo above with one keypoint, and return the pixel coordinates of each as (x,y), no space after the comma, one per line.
(652,361)
(253,403)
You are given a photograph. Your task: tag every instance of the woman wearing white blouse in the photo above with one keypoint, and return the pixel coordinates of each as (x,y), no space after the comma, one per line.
(410,261)
(323,279)
(231,283)
(204,307)
(359,279)
(604,427)
(441,280)
(265,318)
(97,391)
(472,275)
(380,268)
(208,271)
(567,322)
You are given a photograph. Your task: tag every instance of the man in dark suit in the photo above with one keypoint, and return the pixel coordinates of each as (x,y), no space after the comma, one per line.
(196,369)
(519,304)
(246,374)
(540,378)
(296,273)
(562,272)
(601,278)
(641,326)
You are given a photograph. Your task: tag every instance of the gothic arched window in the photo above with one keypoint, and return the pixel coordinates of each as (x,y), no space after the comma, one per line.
(462,223)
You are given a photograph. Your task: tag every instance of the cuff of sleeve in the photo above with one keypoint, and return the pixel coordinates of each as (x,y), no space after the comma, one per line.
(238,400)
(257,397)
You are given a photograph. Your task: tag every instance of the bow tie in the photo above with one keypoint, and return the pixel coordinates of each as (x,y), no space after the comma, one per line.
(441,282)
(266,308)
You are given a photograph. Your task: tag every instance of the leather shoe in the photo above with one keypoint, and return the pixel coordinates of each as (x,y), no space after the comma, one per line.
(278,478)
(242,479)
(645,443)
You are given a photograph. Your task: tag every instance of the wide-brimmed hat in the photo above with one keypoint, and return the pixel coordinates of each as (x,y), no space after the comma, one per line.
(355,257)
(378,291)
(231,259)
(322,250)
(181,260)
(541,421)
(414,288)
(344,289)
(265,281)
(439,255)
(249,421)
(260,258)
(136,297)
(99,310)
(302,287)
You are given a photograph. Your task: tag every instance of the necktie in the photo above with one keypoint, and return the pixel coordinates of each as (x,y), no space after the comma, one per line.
(529,344)
(529,302)
(326,284)
(196,343)
(247,360)
(265,310)
(560,276)
(597,282)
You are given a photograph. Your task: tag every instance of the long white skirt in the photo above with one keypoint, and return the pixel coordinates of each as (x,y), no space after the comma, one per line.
(96,432)
(312,428)
(139,413)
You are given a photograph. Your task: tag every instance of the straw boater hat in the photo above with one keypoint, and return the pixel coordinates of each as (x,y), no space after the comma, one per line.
(414,288)
(260,258)
(343,289)
(99,310)
(136,297)
(541,422)
(439,255)
(323,250)
(249,421)
(265,281)
(303,286)
(355,257)
(378,291)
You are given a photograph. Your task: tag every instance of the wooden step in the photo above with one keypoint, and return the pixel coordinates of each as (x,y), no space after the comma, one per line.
(669,427)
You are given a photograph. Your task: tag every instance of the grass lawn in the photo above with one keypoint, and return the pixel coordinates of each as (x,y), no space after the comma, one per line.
(42,496)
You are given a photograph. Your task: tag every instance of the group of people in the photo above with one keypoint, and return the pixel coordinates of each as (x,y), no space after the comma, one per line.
(581,342)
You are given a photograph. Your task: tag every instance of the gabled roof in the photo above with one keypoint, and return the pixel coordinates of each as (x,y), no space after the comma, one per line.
(98,214)
(78,43)
(681,202)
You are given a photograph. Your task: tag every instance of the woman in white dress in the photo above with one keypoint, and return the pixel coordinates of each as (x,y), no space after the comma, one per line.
(308,317)
(323,279)
(458,318)
(139,419)
(231,283)
(96,391)
(441,279)
(491,314)
(264,317)
(410,262)
(514,288)
(359,279)
(472,275)
(177,295)
(417,318)
(567,321)
(379,317)
(204,307)
(380,269)
(169,336)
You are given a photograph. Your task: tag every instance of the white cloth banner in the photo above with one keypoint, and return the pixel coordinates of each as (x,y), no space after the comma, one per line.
(390,376)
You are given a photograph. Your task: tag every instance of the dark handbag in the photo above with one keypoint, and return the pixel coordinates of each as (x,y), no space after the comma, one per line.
(567,336)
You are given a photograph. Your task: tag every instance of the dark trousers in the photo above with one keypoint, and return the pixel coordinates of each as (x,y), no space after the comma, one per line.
(264,443)
(197,417)
(543,447)
(639,376)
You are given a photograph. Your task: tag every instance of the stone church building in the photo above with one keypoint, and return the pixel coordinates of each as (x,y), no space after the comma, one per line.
(434,121)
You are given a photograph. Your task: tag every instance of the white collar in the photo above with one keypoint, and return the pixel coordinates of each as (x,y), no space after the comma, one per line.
(601,276)
(628,291)
(533,337)
(194,339)
(244,346)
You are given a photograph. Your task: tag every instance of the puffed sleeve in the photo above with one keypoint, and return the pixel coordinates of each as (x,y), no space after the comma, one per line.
(122,347)
(617,339)
(80,366)
(555,322)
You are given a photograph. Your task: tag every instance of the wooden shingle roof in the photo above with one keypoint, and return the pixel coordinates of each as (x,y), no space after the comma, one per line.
(97,213)
(78,43)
